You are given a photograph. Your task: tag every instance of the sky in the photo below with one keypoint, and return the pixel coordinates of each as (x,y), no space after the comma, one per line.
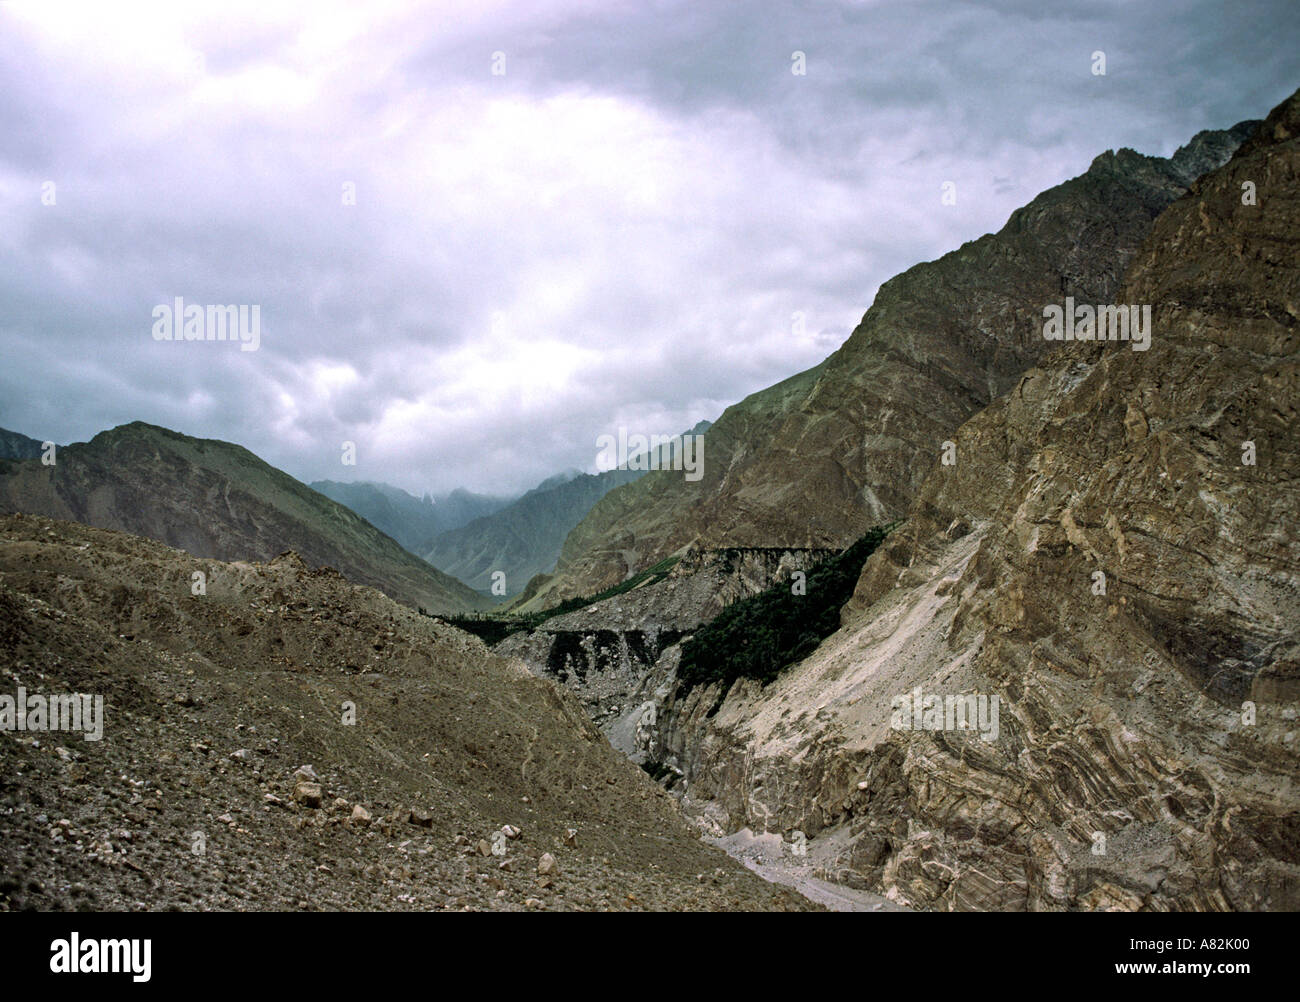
(481,235)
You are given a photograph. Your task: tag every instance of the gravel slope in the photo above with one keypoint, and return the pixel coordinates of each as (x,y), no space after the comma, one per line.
(212,702)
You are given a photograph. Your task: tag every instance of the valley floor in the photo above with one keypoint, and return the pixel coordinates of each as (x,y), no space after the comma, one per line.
(769,857)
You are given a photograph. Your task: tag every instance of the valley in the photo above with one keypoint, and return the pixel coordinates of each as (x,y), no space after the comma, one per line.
(1144,755)
(976,614)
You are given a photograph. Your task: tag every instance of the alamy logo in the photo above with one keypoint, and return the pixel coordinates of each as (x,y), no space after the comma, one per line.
(75,955)
(65,712)
(179,322)
(916,711)
(653,452)
(1098,323)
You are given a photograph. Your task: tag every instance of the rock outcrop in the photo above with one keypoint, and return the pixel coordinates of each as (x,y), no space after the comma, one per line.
(619,656)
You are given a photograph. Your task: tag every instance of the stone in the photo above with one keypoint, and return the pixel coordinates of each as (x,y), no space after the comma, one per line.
(308,794)
(305,773)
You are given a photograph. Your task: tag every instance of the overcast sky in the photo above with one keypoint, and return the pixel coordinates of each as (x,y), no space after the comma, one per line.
(616,230)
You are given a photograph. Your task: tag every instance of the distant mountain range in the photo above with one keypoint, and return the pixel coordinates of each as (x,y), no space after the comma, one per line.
(16,446)
(524,538)
(410,520)
(215,499)
(473,537)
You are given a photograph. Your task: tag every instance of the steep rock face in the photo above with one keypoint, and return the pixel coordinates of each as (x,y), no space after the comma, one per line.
(818,459)
(1146,749)
(215,499)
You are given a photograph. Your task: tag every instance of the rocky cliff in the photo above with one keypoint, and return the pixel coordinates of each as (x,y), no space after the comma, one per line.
(1110,571)
(609,653)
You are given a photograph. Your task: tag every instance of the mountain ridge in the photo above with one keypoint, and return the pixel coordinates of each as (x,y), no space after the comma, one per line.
(217,499)
(941,340)
(409,519)
(14,445)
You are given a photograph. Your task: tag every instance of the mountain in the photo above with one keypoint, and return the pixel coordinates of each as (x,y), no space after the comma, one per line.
(218,500)
(524,538)
(408,519)
(1111,566)
(16,446)
(563,477)
(817,459)
(228,776)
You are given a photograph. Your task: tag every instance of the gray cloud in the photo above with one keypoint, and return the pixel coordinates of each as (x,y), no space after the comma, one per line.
(619,230)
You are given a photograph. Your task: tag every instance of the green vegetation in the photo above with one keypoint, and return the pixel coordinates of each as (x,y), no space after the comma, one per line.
(494,629)
(758,637)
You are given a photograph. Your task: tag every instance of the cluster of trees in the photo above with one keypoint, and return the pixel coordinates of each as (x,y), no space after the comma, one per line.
(760,636)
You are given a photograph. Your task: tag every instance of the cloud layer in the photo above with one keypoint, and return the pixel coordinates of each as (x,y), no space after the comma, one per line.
(640,217)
